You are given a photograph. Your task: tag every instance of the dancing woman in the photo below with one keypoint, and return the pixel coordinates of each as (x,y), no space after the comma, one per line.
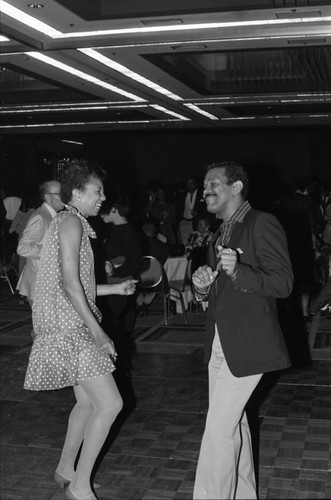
(71,348)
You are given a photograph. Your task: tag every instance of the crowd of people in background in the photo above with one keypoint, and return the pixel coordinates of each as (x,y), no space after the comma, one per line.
(175,215)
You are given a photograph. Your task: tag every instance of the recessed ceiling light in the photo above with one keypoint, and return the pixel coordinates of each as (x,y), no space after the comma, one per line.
(35,5)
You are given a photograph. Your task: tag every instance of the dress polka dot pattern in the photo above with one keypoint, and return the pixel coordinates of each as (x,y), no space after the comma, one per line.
(63,352)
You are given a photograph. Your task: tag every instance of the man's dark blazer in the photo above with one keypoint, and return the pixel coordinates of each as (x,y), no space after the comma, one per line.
(245,309)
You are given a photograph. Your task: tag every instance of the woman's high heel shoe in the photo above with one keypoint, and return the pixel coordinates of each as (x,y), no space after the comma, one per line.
(64,481)
(61,480)
(70,495)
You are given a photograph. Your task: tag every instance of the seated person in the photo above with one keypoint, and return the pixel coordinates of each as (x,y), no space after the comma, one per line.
(156,248)
(152,244)
(197,244)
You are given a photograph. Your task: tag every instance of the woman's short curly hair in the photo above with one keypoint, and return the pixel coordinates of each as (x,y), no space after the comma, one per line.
(76,175)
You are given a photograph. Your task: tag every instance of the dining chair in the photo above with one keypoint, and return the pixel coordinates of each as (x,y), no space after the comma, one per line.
(9,273)
(153,277)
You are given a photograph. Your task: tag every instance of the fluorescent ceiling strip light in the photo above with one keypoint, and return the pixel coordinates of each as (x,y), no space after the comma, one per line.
(44,28)
(201,111)
(47,109)
(239,118)
(312,94)
(194,27)
(209,41)
(82,75)
(127,72)
(73,142)
(168,112)
(257,102)
(54,109)
(264,97)
(67,124)
(70,106)
(28,20)
(4,39)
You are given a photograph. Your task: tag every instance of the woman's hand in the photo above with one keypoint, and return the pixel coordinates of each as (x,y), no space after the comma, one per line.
(105,344)
(128,287)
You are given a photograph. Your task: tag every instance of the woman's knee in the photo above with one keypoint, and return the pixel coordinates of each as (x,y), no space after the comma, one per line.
(104,394)
(111,405)
(116,404)
(84,407)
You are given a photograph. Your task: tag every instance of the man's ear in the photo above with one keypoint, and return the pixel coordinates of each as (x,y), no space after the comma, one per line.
(237,187)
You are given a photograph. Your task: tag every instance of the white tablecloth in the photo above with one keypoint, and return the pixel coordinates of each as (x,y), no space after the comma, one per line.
(175,268)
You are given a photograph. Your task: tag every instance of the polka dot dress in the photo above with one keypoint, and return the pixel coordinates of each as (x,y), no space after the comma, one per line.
(64,351)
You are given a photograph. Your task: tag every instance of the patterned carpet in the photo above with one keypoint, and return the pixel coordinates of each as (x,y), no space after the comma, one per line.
(152,449)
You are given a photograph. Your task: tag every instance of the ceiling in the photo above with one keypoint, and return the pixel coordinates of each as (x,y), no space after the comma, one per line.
(89,65)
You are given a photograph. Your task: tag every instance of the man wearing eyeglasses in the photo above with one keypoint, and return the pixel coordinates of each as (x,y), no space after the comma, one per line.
(31,242)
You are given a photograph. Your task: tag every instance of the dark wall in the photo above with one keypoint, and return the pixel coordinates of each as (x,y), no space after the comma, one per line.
(175,156)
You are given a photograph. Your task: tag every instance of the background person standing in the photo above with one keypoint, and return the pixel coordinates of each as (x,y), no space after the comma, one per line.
(33,236)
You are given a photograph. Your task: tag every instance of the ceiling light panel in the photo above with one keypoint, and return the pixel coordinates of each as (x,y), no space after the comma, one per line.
(257,23)
(200,111)
(28,20)
(168,112)
(106,61)
(106,123)
(47,29)
(80,74)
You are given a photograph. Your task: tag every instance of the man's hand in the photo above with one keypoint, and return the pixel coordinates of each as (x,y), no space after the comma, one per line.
(203,277)
(227,260)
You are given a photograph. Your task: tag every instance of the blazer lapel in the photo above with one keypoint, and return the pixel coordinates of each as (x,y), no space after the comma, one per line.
(211,249)
(232,244)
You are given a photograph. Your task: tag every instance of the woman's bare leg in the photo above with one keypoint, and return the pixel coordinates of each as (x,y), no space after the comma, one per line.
(78,419)
(107,402)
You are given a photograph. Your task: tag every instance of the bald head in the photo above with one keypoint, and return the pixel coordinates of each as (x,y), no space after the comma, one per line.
(50,192)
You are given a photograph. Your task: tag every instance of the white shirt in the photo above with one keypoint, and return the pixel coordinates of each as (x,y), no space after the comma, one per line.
(189,204)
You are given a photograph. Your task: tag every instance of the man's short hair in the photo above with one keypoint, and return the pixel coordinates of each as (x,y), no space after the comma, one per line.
(233,172)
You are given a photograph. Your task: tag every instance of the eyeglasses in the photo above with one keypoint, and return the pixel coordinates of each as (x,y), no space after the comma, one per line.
(54,193)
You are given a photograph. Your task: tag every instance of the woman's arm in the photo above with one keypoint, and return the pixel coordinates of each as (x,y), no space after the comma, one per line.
(70,235)
(125,288)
